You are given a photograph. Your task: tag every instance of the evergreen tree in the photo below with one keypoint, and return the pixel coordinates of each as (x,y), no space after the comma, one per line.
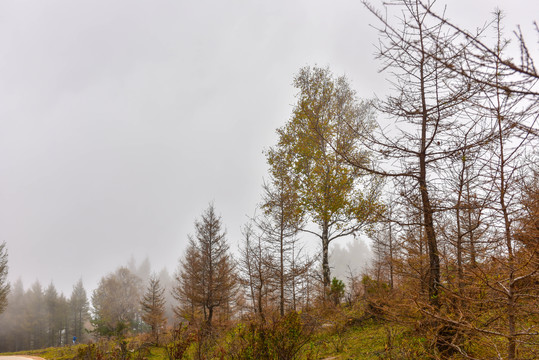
(13,332)
(153,307)
(79,309)
(36,316)
(52,311)
(206,279)
(4,285)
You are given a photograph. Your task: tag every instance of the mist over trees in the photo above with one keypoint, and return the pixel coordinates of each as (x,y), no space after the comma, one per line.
(352,258)
(441,176)
(37,317)
(79,310)
(4,285)
(40,317)
(116,303)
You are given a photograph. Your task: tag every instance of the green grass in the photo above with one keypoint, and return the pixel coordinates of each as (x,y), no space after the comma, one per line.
(369,340)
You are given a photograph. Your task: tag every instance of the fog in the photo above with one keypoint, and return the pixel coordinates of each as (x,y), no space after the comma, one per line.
(120,121)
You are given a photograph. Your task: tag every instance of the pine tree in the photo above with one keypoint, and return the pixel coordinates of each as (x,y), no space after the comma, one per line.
(153,307)
(79,308)
(206,279)
(4,285)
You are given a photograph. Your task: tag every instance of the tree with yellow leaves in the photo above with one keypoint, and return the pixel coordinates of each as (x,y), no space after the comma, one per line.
(327,121)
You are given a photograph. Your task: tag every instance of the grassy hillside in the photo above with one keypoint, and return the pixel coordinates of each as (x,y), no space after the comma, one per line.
(351,339)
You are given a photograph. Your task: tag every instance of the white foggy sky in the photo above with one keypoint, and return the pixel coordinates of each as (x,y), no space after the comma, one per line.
(121,120)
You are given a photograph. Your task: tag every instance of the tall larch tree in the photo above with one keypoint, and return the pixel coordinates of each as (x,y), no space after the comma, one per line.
(430,104)
(153,307)
(206,279)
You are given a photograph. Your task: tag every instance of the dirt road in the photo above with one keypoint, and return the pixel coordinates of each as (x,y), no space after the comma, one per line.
(19,357)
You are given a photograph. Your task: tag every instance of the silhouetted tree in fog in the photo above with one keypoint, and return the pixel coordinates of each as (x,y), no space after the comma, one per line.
(79,310)
(116,303)
(55,309)
(4,285)
(14,328)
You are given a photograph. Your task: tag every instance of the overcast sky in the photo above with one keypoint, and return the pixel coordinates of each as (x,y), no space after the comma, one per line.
(121,120)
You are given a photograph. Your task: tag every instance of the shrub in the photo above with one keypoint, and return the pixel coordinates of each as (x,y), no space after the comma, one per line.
(336,291)
(282,338)
(181,339)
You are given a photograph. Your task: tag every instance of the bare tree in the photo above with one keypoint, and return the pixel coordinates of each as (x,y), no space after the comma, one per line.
(430,102)
(385,246)
(507,165)
(528,226)
(469,116)
(256,272)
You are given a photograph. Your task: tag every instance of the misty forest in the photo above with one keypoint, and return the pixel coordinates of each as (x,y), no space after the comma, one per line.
(442,178)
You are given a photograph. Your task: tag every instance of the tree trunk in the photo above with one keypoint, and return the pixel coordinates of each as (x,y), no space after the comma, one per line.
(326,273)
(210,317)
(390,256)
(432,246)
(281,273)
(460,235)
(510,292)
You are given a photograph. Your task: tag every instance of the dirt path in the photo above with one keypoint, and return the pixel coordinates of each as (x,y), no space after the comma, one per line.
(20,357)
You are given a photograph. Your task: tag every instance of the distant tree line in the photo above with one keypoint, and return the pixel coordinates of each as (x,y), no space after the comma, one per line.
(132,300)
(38,317)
